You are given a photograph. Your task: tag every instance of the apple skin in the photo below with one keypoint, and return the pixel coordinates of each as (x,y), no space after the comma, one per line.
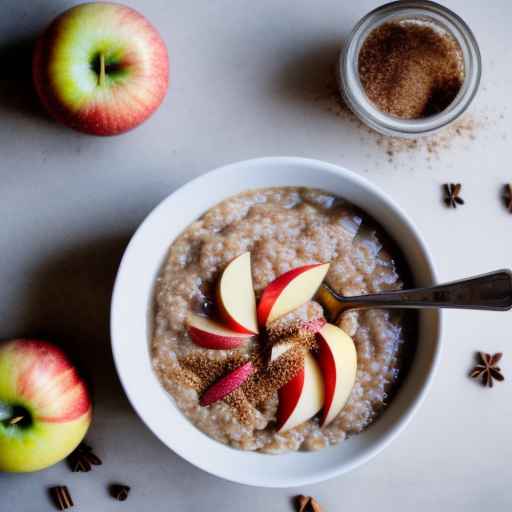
(337,358)
(227,384)
(281,296)
(302,397)
(137,68)
(38,377)
(209,334)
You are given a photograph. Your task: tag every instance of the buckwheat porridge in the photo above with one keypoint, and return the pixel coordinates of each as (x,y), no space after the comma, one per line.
(282,228)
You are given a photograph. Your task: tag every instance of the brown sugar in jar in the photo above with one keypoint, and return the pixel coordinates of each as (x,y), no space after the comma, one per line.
(409,69)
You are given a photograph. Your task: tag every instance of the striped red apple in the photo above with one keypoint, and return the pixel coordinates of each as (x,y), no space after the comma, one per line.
(101,68)
(45,408)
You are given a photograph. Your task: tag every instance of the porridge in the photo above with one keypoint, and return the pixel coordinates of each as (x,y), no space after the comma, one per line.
(234,391)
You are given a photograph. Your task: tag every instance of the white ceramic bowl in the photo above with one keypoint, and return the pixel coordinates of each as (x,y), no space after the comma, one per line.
(131,323)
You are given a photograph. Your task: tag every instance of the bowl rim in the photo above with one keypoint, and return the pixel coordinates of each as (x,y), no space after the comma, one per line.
(128,383)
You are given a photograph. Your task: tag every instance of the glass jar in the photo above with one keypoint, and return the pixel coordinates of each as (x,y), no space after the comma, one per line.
(439,18)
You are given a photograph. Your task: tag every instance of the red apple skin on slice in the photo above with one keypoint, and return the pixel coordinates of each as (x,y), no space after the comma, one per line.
(337,358)
(289,291)
(235,296)
(302,397)
(212,335)
(289,396)
(227,384)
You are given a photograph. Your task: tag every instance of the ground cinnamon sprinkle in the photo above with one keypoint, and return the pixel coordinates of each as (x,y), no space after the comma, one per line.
(263,384)
(297,333)
(199,372)
(244,410)
(410,70)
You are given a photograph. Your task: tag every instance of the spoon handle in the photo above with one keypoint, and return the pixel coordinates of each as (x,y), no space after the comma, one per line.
(492,291)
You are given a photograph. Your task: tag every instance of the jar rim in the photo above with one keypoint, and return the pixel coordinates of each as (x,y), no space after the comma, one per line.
(353,91)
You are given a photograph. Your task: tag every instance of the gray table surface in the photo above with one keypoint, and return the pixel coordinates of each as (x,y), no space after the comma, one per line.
(248,80)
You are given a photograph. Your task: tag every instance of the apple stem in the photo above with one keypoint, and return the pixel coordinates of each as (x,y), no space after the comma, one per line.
(16,419)
(102,70)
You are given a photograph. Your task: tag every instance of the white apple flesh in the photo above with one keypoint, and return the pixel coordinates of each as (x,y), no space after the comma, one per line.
(235,296)
(279,349)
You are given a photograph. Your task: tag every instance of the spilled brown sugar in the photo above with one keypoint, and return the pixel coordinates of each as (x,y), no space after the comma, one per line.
(410,70)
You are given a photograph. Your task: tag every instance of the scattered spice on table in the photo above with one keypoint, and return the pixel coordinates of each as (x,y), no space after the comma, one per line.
(457,134)
(82,459)
(307,504)
(61,497)
(119,491)
(452,194)
(507,196)
(410,70)
(488,369)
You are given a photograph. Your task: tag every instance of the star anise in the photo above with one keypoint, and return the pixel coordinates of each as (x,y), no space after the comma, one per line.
(452,191)
(507,196)
(307,504)
(119,491)
(487,369)
(82,459)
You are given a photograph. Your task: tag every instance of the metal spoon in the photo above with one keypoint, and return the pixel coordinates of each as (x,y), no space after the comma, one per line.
(492,291)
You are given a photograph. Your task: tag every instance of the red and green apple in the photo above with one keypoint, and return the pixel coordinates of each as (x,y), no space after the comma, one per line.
(101,68)
(45,408)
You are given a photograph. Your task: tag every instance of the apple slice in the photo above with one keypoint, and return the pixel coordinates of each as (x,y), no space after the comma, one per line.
(338,362)
(227,384)
(279,350)
(289,291)
(302,397)
(210,334)
(235,295)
